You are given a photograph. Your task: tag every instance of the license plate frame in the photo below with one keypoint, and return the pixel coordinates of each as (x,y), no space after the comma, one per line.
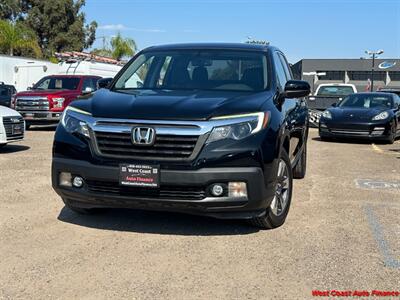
(139,175)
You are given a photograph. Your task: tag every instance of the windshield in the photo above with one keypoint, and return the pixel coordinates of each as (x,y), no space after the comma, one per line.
(367,101)
(196,69)
(335,90)
(57,83)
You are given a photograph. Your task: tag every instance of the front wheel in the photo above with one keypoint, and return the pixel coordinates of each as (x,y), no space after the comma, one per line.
(278,210)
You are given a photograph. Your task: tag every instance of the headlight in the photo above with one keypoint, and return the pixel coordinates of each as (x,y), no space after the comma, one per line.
(382,116)
(240,130)
(58,102)
(327,114)
(72,124)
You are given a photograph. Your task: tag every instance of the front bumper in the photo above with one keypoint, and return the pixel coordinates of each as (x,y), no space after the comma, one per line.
(101,189)
(370,131)
(7,133)
(40,117)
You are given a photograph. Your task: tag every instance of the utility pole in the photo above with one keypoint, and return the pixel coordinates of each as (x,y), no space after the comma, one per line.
(373,54)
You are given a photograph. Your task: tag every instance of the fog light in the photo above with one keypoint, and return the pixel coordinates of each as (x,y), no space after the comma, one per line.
(237,189)
(65,179)
(217,190)
(77,182)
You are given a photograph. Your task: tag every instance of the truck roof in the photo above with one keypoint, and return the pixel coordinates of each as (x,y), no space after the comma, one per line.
(72,76)
(212,46)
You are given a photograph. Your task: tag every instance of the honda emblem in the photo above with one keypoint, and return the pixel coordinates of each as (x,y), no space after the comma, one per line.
(143,136)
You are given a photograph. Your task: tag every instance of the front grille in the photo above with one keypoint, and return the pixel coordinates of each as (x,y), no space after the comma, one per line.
(164,192)
(9,123)
(350,131)
(32,104)
(165,146)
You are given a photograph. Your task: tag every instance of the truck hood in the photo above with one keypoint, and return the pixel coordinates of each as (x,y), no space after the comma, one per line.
(171,105)
(44,93)
(8,112)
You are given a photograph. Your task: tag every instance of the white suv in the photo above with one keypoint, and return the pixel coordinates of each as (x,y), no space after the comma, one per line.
(12,126)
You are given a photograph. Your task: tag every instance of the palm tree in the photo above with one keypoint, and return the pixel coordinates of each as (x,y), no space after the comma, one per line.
(15,36)
(122,47)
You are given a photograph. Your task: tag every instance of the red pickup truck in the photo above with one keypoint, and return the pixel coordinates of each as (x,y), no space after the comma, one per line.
(45,102)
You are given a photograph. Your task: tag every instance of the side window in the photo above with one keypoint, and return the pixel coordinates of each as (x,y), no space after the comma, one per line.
(285,64)
(94,82)
(280,71)
(164,70)
(88,85)
(397,100)
(137,79)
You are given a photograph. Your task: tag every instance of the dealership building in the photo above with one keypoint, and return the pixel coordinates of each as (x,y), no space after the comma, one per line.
(353,71)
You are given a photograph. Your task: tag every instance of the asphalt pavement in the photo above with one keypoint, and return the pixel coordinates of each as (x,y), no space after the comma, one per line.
(342,233)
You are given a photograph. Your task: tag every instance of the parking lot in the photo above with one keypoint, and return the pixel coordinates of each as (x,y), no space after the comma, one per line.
(342,233)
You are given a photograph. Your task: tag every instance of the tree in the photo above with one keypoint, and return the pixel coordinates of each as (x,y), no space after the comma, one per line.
(17,37)
(120,47)
(59,25)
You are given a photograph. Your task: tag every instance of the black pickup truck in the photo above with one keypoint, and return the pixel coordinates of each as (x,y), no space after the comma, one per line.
(211,129)
(325,96)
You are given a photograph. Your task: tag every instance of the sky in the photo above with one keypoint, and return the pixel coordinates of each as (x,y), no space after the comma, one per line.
(301,29)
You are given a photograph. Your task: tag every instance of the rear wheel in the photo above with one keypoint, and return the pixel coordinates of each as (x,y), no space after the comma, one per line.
(80,210)
(278,210)
(27,126)
(299,171)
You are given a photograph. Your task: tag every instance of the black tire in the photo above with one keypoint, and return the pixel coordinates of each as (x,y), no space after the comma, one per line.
(270,220)
(80,210)
(324,138)
(27,126)
(392,137)
(2,145)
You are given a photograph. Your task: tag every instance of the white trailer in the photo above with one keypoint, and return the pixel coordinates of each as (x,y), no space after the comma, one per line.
(23,72)
(77,67)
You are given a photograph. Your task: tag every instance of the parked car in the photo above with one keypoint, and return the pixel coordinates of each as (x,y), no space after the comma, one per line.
(390,90)
(6,92)
(45,102)
(374,116)
(12,126)
(326,95)
(211,129)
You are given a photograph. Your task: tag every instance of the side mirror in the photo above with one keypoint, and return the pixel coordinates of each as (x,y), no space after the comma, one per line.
(104,83)
(334,104)
(29,88)
(87,90)
(297,89)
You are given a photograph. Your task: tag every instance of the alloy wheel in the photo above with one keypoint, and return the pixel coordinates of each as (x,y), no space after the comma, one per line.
(281,197)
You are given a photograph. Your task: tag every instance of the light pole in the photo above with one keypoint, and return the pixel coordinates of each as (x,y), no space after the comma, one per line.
(373,54)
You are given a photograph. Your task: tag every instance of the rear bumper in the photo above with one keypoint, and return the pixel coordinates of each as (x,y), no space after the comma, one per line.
(108,193)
